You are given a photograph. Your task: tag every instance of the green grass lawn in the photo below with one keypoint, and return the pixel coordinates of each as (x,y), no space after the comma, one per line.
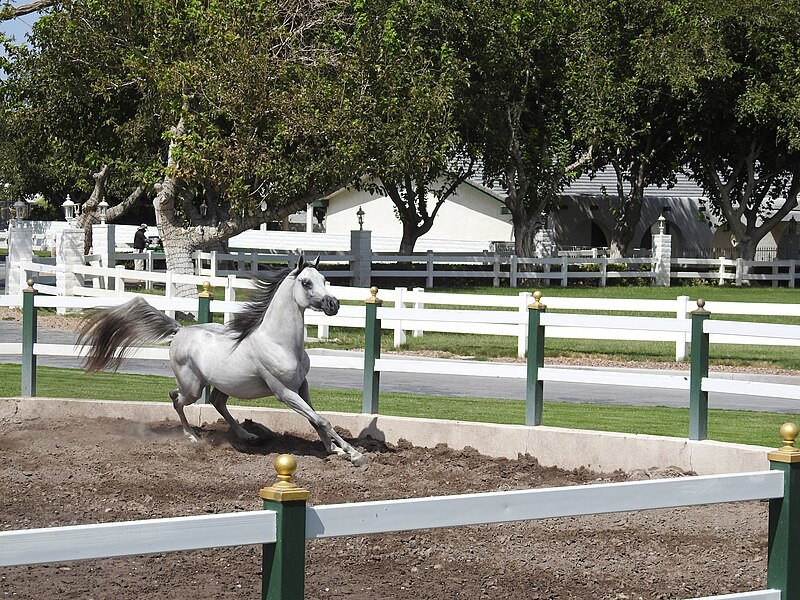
(746,427)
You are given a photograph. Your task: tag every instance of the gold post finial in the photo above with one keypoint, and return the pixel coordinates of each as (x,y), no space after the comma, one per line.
(284,490)
(206,293)
(536,304)
(373,299)
(30,288)
(701,308)
(789,453)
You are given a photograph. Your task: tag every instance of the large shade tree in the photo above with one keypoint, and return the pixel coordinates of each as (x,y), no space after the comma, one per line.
(408,69)
(638,62)
(743,125)
(229,111)
(516,117)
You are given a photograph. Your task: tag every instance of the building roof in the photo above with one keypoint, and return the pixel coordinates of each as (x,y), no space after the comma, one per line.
(605,179)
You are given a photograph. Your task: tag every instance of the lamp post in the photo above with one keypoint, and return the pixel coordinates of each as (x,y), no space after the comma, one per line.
(102,207)
(69,208)
(662,225)
(360,215)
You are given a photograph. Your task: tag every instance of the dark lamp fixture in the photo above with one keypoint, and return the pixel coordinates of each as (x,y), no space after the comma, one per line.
(360,214)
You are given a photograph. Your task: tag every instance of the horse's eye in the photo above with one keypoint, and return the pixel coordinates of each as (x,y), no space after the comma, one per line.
(306,283)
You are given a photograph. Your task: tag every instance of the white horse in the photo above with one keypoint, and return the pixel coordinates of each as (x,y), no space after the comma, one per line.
(259,353)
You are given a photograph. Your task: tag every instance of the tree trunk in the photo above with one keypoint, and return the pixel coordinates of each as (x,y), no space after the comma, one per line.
(628,211)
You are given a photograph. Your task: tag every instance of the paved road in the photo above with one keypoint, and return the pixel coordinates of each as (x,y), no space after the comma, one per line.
(481,387)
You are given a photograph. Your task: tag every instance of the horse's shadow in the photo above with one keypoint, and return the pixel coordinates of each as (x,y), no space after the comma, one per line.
(271,442)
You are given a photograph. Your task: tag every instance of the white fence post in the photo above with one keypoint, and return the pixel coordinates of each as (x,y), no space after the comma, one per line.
(564,271)
(739,272)
(230,296)
(213,264)
(522,336)
(418,305)
(119,280)
(603,270)
(399,334)
(429,269)
(721,270)
(682,341)
(169,292)
(513,274)
(148,285)
(792,272)
(496,271)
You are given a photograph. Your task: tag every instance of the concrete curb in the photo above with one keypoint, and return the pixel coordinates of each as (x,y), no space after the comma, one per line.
(552,446)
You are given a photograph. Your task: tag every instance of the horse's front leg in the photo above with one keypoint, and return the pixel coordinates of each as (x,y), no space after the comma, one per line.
(327,440)
(333,442)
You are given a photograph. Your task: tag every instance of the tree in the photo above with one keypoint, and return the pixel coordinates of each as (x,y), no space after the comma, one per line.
(516,115)
(229,110)
(743,140)
(409,68)
(634,64)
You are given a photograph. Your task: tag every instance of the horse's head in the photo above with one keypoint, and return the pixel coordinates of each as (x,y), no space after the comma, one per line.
(310,290)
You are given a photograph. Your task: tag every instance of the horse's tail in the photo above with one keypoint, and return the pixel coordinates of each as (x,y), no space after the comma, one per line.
(108,333)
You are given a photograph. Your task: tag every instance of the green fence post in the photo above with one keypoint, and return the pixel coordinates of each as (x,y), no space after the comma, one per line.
(783,567)
(204,299)
(283,566)
(28,383)
(534,389)
(372,352)
(698,399)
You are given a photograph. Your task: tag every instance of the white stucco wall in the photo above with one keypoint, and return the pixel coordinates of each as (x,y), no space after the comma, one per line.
(469,215)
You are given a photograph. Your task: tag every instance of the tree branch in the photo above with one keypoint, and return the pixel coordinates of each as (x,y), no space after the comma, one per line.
(20,11)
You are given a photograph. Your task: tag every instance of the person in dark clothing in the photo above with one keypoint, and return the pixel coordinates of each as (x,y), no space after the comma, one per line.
(139,244)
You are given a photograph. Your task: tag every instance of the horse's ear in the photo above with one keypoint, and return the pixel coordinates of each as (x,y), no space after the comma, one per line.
(301,264)
(315,262)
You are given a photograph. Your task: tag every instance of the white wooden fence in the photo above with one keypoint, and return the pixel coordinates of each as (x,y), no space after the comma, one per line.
(572,325)
(99,282)
(502,267)
(80,542)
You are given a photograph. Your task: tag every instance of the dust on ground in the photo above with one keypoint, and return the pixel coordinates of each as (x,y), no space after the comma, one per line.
(98,470)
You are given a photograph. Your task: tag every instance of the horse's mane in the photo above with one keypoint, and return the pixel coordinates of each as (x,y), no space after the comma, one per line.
(245,322)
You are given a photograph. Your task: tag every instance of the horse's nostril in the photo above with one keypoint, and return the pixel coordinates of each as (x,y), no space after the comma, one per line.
(330,305)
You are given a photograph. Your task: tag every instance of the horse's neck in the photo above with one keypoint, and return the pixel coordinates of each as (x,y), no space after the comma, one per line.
(284,320)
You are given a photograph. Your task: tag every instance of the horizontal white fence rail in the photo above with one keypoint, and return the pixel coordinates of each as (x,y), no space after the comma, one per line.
(127,538)
(759,595)
(499,507)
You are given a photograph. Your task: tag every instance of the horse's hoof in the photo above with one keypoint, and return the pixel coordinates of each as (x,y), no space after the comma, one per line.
(358,459)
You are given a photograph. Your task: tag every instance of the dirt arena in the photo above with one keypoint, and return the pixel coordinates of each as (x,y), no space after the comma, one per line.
(75,472)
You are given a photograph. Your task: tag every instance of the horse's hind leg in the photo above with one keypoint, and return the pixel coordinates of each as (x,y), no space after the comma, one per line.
(179,401)
(220,401)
